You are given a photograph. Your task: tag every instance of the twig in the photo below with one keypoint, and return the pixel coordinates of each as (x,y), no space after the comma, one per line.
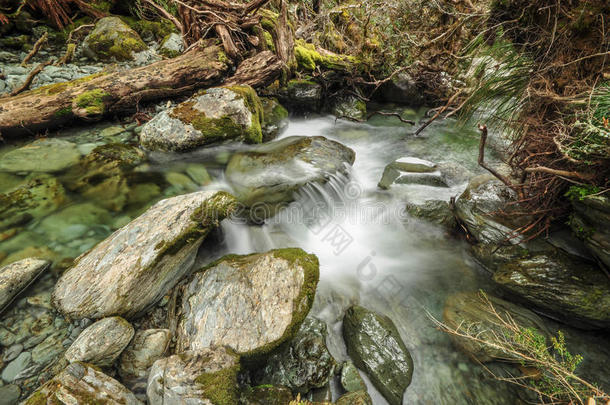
(75,30)
(385,114)
(481,160)
(439,112)
(30,78)
(556,172)
(67,56)
(36,48)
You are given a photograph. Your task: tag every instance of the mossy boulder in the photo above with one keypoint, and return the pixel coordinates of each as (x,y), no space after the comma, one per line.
(82,383)
(375,346)
(154,250)
(112,39)
(302,364)
(205,377)
(275,118)
(474,311)
(551,281)
(434,211)
(212,116)
(250,303)
(590,222)
(266,177)
(40,195)
(298,95)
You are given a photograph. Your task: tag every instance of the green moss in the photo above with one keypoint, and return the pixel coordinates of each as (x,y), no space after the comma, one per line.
(220,387)
(92,101)
(269,40)
(159,29)
(215,129)
(308,58)
(222,57)
(115,44)
(254,134)
(274,111)
(64,112)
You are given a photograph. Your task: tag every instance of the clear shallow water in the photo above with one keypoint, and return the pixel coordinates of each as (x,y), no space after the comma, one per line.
(370,251)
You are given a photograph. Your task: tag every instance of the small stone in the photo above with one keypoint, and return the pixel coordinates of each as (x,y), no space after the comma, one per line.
(23,361)
(147,347)
(181,181)
(111,131)
(12,352)
(351,379)
(9,394)
(42,155)
(199,174)
(413,164)
(102,342)
(355,398)
(16,276)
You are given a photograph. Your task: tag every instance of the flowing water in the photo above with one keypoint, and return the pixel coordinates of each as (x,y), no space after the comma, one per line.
(370,251)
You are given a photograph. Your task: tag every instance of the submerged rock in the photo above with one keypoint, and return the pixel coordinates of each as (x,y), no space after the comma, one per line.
(81,383)
(275,118)
(146,347)
(269,174)
(485,210)
(203,377)
(102,342)
(103,175)
(154,250)
(410,170)
(16,276)
(213,115)
(112,39)
(73,222)
(474,312)
(250,303)
(375,346)
(591,222)
(434,211)
(43,155)
(303,363)
(38,196)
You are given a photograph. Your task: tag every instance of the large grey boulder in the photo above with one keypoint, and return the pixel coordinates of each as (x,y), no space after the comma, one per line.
(375,346)
(15,277)
(560,285)
(42,155)
(269,174)
(591,222)
(112,39)
(485,208)
(474,312)
(203,377)
(213,115)
(302,364)
(82,383)
(250,303)
(146,347)
(136,265)
(102,342)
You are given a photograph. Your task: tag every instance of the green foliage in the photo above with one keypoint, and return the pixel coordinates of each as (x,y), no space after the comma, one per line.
(580,192)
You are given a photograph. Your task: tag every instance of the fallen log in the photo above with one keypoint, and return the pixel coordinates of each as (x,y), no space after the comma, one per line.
(92,97)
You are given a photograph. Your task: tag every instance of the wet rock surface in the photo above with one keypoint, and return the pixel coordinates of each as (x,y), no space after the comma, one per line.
(157,248)
(591,223)
(270,174)
(375,346)
(474,312)
(42,155)
(15,277)
(355,398)
(214,115)
(303,363)
(250,303)
(434,211)
(351,379)
(410,170)
(82,383)
(205,377)
(101,343)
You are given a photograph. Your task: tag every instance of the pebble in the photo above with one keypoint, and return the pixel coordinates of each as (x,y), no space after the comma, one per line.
(16,366)
(12,352)
(9,394)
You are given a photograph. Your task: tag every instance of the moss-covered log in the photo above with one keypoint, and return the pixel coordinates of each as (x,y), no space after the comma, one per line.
(94,96)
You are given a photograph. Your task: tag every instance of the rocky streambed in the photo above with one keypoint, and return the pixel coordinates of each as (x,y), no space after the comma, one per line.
(224,253)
